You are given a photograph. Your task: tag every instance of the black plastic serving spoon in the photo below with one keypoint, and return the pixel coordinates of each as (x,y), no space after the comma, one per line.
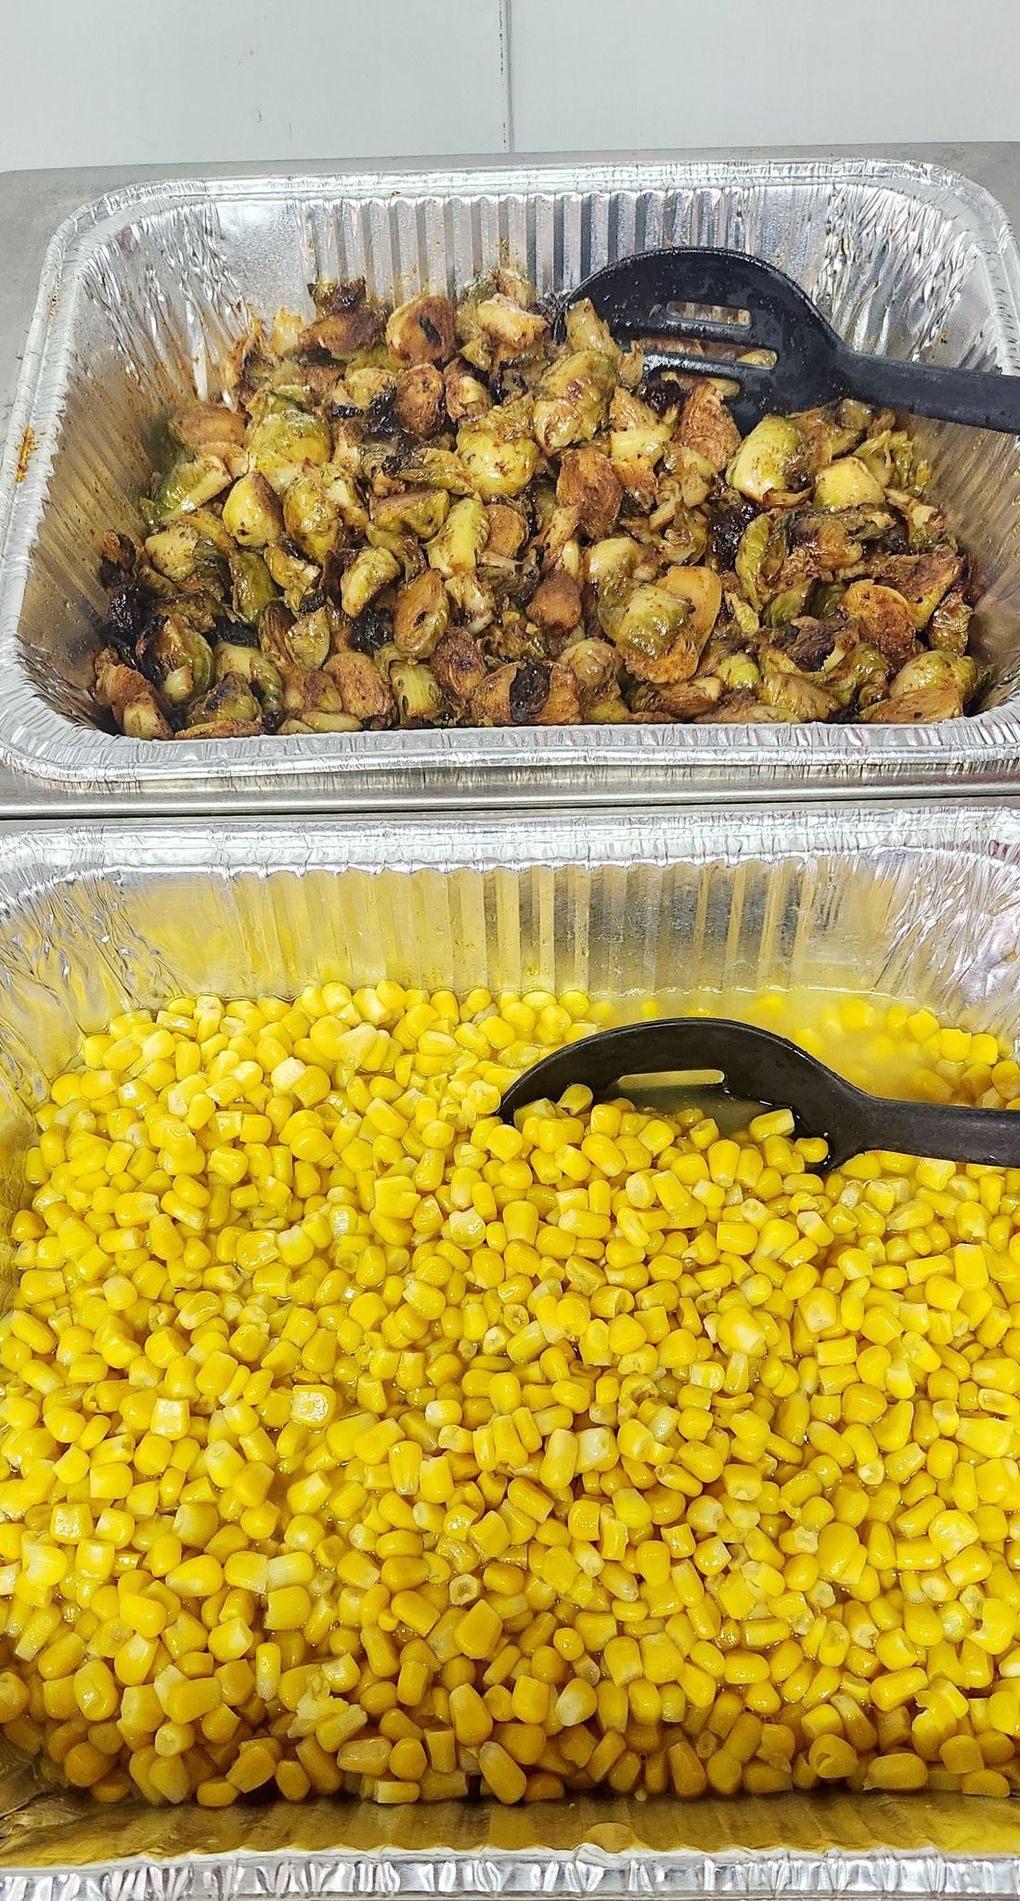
(766,1071)
(715,296)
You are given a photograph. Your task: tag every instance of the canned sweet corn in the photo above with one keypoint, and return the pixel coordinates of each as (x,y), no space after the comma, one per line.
(353,1441)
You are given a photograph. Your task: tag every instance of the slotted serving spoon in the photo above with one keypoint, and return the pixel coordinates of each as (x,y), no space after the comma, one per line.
(759,1071)
(715,296)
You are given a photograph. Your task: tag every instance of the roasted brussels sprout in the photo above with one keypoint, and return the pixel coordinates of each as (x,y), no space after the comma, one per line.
(766,461)
(251,512)
(416,691)
(423,330)
(284,442)
(846,484)
(455,549)
(419,400)
(588,483)
(176,659)
(421,615)
(573,400)
(189,485)
(369,572)
(441,514)
(498,453)
(131,698)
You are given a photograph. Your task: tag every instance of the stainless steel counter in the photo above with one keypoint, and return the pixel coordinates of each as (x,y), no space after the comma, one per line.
(33,204)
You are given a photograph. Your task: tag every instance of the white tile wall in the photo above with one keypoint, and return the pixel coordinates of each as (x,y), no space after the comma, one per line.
(136,82)
(633,74)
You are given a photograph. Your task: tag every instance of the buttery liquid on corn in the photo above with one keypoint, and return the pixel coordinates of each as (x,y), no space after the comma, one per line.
(352,1440)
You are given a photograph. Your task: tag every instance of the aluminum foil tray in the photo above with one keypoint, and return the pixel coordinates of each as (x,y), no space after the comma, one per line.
(142,292)
(918,901)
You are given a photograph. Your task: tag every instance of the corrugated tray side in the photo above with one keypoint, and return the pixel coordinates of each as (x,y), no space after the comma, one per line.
(914,900)
(142,291)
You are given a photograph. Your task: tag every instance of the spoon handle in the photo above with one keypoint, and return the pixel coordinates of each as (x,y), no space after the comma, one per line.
(948,1130)
(986,399)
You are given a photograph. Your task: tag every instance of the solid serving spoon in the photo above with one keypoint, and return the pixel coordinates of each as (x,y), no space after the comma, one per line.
(768,1071)
(717,296)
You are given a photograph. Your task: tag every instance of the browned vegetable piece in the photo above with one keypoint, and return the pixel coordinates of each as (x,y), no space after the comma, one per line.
(925,707)
(421,614)
(884,617)
(707,427)
(508,531)
(252,513)
(556,603)
(422,330)
(466,393)
(211,429)
(950,623)
(514,695)
(594,664)
(459,665)
(922,579)
(228,711)
(346,322)
(689,699)
(588,483)
(362,689)
(419,400)
(131,699)
(792,693)
(511,331)
(563,699)
(701,589)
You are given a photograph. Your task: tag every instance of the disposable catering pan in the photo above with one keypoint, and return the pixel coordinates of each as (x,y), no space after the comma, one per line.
(143,291)
(923,903)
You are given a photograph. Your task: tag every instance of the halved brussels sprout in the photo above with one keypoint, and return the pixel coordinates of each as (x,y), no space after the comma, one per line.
(369,572)
(588,483)
(311,515)
(586,330)
(176,659)
(251,512)
(956,672)
(416,691)
(419,511)
(923,580)
(253,667)
(701,589)
(421,615)
(766,460)
(252,585)
(512,331)
(422,330)
(707,430)
(172,550)
(651,619)
(418,400)
(189,485)
(847,483)
(498,453)
(286,439)
(456,548)
(131,698)
(573,400)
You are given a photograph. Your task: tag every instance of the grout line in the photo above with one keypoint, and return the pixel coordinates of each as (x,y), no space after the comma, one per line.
(505,64)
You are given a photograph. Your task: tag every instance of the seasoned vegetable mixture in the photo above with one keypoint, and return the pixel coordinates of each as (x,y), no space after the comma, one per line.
(437,516)
(355,1441)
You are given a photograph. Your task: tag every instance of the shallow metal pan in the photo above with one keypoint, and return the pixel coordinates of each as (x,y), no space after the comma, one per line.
(142,291)
(917,901)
